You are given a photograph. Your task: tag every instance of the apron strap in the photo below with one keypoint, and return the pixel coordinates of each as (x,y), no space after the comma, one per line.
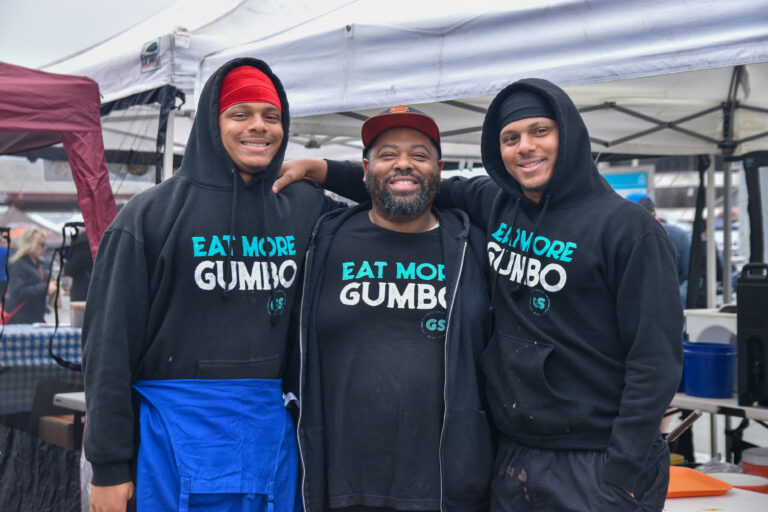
(270,502)
(184,496)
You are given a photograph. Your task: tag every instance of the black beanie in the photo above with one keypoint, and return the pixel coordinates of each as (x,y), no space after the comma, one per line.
(521,105)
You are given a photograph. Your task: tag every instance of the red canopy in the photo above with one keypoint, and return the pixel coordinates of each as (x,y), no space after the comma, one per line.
(38,109)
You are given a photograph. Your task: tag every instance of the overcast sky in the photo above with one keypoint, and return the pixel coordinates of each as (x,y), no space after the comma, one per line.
(34,33)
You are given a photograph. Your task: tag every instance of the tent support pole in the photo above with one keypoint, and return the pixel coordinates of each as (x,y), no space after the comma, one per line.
(168,153)
(728,145)
(711,244)
(727,235)
(13,141)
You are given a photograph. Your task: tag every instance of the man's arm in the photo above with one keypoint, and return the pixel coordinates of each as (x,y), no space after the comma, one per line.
(79,259)
(113,338)
(475,196)
(340,177)
(650,320)
(293,171)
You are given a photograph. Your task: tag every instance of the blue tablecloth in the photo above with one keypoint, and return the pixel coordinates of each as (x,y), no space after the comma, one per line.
(26,345)
(24,362)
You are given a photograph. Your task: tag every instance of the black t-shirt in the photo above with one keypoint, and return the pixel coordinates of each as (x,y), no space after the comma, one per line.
(381,326)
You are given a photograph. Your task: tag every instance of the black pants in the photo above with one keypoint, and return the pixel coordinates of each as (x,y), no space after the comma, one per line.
(531,479)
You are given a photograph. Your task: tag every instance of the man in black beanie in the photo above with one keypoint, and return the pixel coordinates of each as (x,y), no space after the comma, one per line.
(586,353)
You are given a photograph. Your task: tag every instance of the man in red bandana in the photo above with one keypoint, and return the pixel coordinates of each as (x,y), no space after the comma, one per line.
(186,334)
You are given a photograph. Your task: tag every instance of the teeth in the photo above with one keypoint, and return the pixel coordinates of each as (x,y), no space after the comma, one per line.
(533,164)
(401,182)
(256,144)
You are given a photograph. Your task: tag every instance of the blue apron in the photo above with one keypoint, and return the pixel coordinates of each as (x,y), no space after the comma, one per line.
(216,445)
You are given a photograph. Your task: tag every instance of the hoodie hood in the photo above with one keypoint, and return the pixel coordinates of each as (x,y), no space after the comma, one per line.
(205,159)
(575,177)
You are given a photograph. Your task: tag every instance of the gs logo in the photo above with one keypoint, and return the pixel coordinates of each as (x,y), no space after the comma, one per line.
(539,303)
(434,324)
(277,304)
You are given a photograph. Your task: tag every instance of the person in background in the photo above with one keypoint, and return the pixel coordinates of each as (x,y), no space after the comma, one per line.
(680,238)
(395,316)
(189,313)
(3,265)
(28,288)
(79,265)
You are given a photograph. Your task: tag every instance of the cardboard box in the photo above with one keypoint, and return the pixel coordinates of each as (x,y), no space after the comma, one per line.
(58,430)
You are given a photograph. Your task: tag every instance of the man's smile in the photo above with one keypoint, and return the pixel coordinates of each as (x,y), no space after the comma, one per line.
(531,165)
(403,183)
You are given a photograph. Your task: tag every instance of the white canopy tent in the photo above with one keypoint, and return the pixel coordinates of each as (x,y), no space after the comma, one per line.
(661,59)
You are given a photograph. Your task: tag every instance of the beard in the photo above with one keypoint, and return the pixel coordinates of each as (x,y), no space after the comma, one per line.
(402,205)
(539,188)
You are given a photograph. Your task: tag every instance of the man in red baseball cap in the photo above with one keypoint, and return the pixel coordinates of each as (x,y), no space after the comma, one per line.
(186,334)
(395,319)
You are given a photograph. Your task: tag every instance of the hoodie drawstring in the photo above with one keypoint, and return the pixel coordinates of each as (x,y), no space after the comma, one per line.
(494,282)
(517,288)
(272,310)
(231,247)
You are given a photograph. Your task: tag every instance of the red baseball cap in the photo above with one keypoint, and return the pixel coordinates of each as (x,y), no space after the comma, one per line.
(399,116)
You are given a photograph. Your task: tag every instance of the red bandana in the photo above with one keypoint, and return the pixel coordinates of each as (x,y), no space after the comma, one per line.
(246,84)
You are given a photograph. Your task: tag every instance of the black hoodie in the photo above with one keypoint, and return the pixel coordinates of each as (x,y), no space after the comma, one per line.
(157,304)
(590,357)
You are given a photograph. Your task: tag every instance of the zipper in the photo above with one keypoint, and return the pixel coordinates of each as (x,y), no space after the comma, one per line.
(310,248)
(445,368)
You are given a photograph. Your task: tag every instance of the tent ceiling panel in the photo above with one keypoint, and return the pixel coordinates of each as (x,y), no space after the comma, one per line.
(641,106)
(371,54)
(185,32)
(664,60)
(116,64)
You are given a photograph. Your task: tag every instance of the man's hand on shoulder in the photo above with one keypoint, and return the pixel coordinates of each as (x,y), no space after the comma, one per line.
(302,169)
(111,498)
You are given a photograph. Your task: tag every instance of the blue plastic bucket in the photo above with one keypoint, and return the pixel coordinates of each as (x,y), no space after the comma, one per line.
(709,369)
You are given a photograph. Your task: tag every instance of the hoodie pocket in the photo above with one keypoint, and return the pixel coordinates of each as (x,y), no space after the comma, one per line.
(521,399)
(261,368)
(468,455)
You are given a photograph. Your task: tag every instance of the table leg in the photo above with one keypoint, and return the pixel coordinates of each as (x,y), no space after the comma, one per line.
(78,430)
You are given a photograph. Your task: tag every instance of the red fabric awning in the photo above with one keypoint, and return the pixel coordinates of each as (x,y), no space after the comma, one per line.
(38,109)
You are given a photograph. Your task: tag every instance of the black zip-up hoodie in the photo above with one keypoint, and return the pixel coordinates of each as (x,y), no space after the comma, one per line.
(590,357)
(466,446)
(168,300)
